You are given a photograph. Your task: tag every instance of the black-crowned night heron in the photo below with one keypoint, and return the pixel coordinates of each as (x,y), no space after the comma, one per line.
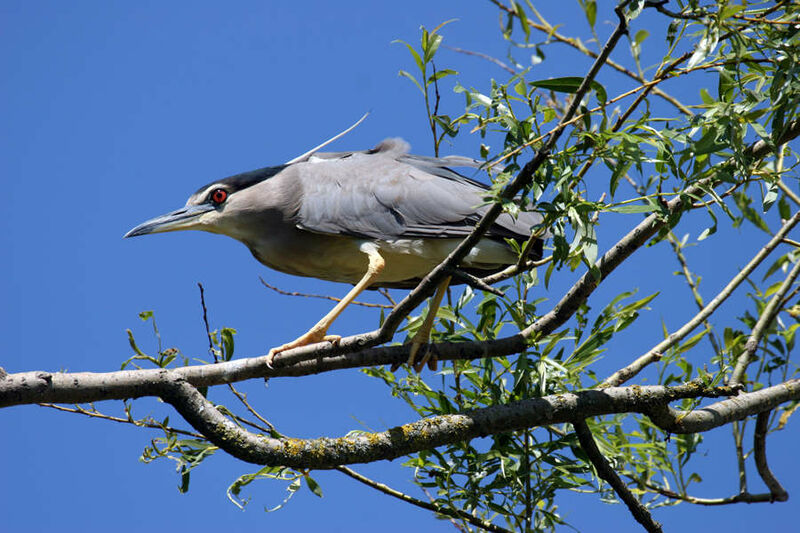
(376,218)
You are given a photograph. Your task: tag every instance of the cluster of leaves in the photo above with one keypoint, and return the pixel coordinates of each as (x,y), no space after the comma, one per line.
(516,476)
(187,450)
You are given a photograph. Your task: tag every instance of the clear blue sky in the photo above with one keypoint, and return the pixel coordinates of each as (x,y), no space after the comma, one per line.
(113,112)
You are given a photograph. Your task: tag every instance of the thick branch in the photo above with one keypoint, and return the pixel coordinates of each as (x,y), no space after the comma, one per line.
(436,431)
(604,470)
(776,490)
(723,412)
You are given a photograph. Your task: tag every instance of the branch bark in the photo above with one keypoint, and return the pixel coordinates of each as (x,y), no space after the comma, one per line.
(604,471)
(776,490)
(428,433)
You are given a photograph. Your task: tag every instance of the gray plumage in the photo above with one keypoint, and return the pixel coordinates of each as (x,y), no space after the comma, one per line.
(316,216)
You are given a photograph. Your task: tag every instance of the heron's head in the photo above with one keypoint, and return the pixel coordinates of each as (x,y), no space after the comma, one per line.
(219,207)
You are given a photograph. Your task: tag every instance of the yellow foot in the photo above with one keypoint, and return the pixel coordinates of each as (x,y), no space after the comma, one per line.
(421,339)
(311,337)
(423,334)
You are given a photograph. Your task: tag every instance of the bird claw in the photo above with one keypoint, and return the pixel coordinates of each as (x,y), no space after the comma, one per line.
(310,337)
(428,357)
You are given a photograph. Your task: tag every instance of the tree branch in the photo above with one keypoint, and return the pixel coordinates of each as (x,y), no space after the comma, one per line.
(428,433)
(578,45)
(741,497)
(604,471)
(724,412)
(422,290)
(776,490)
(452,513)
(481,55)
(767,316)
(320,296)
(655,353)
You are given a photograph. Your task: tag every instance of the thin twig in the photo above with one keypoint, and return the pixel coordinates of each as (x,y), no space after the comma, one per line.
(657,351)
(474,282)
(211,349)
(578,45)
(102,416)
(243,398)
(322,296)
(604,471)
(455,513)
(483,56)
(767,316)
(741,467)
(736,498)
(788,192)
(513,270)
(690,280)
(385,293)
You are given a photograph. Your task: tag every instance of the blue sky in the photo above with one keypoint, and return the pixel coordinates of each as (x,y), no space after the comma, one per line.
(114,112)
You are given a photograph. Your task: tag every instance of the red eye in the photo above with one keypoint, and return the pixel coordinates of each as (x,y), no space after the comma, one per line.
(218,196)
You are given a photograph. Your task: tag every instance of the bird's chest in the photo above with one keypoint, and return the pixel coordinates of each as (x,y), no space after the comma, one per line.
(341,258)
(302,253)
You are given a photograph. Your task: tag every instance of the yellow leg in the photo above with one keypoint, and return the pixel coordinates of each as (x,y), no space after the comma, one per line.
(424,332)
(319,333)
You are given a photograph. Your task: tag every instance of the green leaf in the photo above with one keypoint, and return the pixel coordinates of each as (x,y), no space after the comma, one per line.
(692,341)
(708,143)
(226,334)
(433,45)
(570,84)
(184,486)
(313,486)
(412,78)
(770,197)
(590,10)
(132,342)
(523,19)
(705,47)
(521,87)
(414,54)
(743,202)
(439,74)
(632,208)
(783,208)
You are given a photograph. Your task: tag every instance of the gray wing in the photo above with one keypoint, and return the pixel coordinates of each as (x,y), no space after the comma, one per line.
(385,193)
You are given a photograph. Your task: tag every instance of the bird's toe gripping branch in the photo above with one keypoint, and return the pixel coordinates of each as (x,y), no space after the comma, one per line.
(312,336)
(423,334)
(319,333)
